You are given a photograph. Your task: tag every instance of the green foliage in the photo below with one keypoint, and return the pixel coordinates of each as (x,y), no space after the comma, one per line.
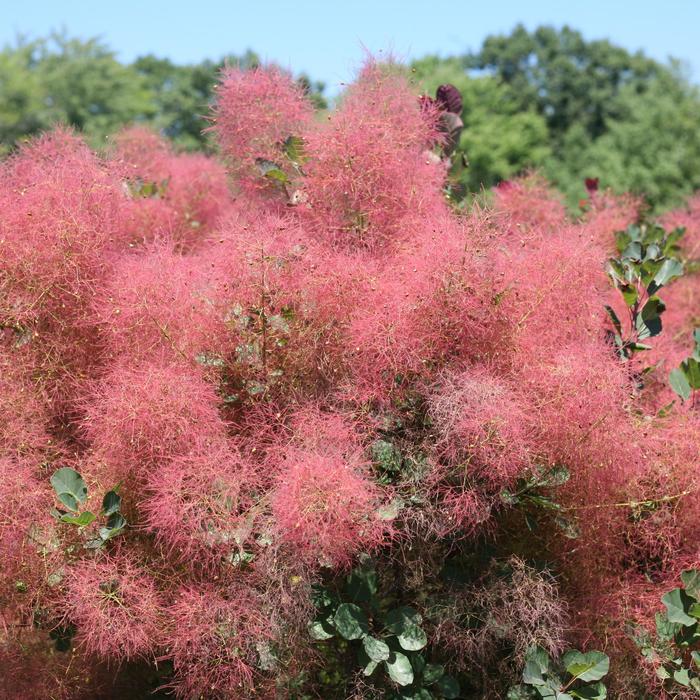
(499,138)
(675,648)
(576,675)
(69,487)
(71,490)
(70,82)
(550,99)
(684,380)
(532,495)
(647,262)
(382,636)
(60,80)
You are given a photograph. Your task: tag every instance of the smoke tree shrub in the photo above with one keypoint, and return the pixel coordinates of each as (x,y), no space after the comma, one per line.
(226,384)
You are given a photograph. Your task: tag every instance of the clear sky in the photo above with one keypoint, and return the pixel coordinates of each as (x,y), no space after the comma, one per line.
(326,39)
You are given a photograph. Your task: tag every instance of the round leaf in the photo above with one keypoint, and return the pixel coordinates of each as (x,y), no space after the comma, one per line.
(691,581)
(111,503)
(448,687)
(678,603)
(433,673)
(350,621)
(82,520)
(412,638)
(399,668)
(591,666)
(69,487)
(376,649)
(398,619)
(320,630)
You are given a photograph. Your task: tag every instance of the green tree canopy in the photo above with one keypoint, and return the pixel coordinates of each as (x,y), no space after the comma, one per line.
(71,82)
(552,100)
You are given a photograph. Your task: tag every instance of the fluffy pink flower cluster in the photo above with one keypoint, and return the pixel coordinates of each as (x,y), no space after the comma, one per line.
(226,354)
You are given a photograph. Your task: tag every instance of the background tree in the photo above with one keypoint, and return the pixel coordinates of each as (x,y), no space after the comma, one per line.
(81,84)
(574,108)
(68,81)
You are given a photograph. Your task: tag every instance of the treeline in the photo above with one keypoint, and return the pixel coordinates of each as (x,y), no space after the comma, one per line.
(82,84)
(547,99)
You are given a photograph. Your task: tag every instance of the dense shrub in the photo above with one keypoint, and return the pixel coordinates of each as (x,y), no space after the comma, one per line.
(304,390)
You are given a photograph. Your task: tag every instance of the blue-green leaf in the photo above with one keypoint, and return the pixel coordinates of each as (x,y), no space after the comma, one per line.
(399,668)
(82,520)
(591,666)
(350,621)
(69,487)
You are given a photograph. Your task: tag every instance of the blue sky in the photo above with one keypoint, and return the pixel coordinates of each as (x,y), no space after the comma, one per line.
(326,39)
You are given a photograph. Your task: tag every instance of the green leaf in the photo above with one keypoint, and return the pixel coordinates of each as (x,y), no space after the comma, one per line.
(376,649)
(679,383)
(629,294)
(82,520)
(418,663)
(368,670)
(682,676)
(361,584)
(614,318)
(350,621)
(412,638)
(115,524)
(536,666)
(320,630)
(448,687)
(591,666)
(294,149)
(398,619)
(520,692)
(648,321)
(669,270)
(111,503)
(677,604)
(665,629)
(597,691)
(399,668)
(271,170)
(691,582)
(69,487)
(633,251)
(695,656)
(691,370)
(558,475)
(433,673)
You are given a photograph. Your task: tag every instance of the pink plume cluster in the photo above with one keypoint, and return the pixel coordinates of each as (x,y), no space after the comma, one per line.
(324,502)
(214,640)
(173,198)
(256,111)
(227,349)
(370,177)
(115,607)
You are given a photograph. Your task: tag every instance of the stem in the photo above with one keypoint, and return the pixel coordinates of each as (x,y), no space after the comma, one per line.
(634,504)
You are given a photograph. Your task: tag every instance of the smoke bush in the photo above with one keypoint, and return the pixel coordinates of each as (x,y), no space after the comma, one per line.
(141,416)
(115,607)
(177,198)
(195,504)
(255,111)
(324,503)
(368,174)
(214,642)
(300,377)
